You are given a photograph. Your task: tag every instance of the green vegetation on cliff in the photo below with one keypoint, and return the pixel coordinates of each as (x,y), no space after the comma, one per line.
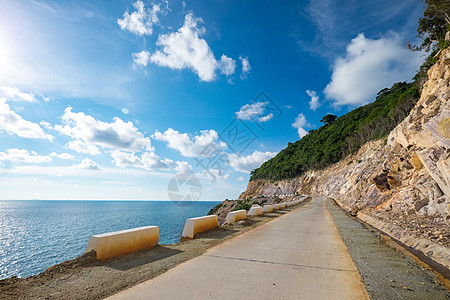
(335,140)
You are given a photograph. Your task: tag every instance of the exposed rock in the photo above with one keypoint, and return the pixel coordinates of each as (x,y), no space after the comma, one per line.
(381,181)
(407,178)
(420,203)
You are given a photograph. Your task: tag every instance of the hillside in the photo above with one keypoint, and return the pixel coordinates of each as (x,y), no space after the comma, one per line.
(400,184)
(332,142)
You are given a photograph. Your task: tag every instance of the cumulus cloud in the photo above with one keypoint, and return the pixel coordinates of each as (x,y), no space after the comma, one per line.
(265,118)
(141,21)
(254,112)
(227,65)
(46,124)
(147,160)
(190,147)
(185,49)
(14,94)
(23,156)
(65,156)
(314,102)
(183,167)
(245,66)
(248,163)
(299,124)
(240,178)
(141,58)
(87,164)
(369,66)
(12,123)
(81,146)
(90,134)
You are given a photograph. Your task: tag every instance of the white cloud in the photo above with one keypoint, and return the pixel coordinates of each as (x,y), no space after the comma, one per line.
(87,164)
(23,156)
(265,118)
(183,167)
(255,112)
(240,178)
(248,163)
(369,66)
(245,66)
(81,146)
(300,123)
(141,58)
(148,160)
(46,124)
(227,65)
(184,49)
(89,134)
(12,123)
(14,94)
(141,21)
(314,102)
(188,147)
(65,156)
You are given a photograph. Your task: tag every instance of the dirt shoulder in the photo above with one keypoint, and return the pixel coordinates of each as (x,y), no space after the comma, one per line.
(387,272)
(86,278)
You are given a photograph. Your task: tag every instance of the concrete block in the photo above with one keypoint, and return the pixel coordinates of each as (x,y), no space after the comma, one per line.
(112,244)
(283,205)
(267,208)
(255,211)
(276,207)
(237,215)
(200,224)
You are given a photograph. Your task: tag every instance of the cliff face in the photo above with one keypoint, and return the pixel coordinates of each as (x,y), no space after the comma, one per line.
(404,180)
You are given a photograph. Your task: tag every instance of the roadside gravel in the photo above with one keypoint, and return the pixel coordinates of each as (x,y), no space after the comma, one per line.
(387,273)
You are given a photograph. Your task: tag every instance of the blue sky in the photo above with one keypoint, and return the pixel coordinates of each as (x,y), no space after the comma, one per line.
(112,99)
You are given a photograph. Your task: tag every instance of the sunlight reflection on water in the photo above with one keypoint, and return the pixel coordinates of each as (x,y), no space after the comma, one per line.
(35,235)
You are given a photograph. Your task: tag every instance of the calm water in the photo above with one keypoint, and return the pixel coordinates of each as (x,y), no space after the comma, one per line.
(35,235)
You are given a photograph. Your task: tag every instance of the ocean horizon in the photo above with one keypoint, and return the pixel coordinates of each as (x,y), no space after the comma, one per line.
(37,234)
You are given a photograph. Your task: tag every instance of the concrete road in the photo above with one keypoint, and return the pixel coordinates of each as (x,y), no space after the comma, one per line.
(297,256)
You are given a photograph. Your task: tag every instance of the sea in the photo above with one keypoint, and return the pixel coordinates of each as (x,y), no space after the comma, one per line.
(37,234)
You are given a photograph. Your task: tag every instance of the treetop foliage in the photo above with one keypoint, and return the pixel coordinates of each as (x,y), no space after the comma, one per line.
(433,25)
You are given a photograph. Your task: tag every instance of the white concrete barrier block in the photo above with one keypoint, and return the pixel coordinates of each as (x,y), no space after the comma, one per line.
(283,205)
(237,215)
(112,244)
(200,224)
(267,208)
(276,207)
(255,211)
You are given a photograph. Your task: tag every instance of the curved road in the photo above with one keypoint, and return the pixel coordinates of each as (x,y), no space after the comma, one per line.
(299,255)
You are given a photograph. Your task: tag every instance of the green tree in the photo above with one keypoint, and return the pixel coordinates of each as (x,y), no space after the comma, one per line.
(434,25)
(328,119)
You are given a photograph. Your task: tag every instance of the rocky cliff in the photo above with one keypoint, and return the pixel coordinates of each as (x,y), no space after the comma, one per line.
(401,183)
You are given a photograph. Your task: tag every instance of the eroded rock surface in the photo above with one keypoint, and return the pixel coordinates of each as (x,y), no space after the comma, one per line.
(403,180)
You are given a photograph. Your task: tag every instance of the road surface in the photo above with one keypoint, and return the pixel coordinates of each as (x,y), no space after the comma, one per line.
(297,256)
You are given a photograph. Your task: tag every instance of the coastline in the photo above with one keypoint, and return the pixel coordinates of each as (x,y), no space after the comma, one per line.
(86,278)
